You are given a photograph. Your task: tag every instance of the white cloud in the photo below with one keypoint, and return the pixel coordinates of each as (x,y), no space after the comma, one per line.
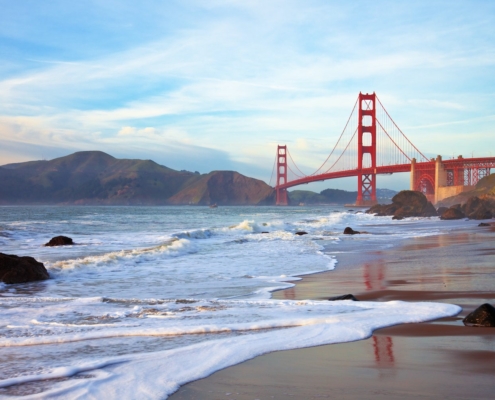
(235,78)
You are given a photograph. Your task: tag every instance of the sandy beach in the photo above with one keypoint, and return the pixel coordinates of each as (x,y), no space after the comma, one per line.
(433,360)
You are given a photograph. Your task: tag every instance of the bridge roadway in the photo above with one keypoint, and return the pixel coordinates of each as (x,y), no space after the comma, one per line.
(479,162)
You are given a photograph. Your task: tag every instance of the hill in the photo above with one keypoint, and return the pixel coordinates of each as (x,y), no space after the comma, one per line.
(225,188)
(94,177)
(333,196)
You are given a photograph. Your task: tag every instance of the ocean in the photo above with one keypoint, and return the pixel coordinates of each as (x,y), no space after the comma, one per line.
(150,298)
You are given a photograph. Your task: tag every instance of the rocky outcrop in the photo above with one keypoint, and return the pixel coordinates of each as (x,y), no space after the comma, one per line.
(300,233)
(483,316)
(349,231)
(343,297)
(484,190)
(15,269)
(407,203)
(441,210)
(452,213)
(476,208)
(60,241)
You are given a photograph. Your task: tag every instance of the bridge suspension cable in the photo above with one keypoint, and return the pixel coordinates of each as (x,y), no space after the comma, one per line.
(401,142)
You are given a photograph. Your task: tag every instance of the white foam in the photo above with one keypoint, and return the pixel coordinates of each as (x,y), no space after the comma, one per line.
(157,375)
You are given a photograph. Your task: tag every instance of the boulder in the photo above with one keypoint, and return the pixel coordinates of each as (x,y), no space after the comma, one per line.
(343,297)
(481,213)
(15,269)
(407,203)
(483,224)
(60,241)
(412,198)
(441,210)
(300,233)
(476,208)
(403,212)
(484,316)
(429,210)
(452,213)
(376,208)
(349,231)
(471,205)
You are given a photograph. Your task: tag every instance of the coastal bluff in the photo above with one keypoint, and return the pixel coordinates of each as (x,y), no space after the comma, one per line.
(97,178)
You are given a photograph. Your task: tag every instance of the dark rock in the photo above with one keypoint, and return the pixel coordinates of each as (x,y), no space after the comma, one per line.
(476,208)
(484,315)
(457,207)
(429,210)
(349,231)
(403,212)
(480,213)
(343,297)
(300,233)
(452,213)
(471,205)
(60,241)
(407,203)
(441,210)
(15,269)
(483,224)
(412,198)
(376,208)
(265,232)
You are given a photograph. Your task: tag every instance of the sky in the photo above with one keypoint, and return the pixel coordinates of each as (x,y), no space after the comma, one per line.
(216,85)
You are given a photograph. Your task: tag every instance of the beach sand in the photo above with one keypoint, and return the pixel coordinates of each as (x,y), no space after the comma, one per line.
(442,359)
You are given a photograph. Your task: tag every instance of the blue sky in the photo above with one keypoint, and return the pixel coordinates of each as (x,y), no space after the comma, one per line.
(205,85)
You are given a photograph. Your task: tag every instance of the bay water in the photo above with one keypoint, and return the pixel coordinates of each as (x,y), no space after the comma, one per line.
(150,298)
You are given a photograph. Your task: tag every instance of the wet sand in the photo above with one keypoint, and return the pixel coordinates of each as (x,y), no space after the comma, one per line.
(433,360)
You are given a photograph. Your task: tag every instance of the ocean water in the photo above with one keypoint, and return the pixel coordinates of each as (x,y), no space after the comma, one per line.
(150,298)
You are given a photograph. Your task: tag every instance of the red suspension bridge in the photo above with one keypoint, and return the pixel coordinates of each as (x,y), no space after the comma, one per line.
(372,144)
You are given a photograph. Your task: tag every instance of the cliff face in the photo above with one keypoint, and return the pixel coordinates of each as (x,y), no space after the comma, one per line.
(225,188)
(94,177)
(484,189)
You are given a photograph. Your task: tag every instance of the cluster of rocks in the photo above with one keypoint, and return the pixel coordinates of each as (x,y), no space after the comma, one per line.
(474,208)
(15,269)
(409,203)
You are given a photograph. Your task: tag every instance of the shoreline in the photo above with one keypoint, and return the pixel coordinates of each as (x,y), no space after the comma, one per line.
(436,359)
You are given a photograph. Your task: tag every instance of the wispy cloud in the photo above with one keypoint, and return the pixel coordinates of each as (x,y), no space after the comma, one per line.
(232,78)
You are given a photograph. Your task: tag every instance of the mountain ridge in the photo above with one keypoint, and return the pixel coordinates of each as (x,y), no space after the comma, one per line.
(95,177)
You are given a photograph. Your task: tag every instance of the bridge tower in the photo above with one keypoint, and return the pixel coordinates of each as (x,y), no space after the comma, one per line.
(366,149)
(282,199)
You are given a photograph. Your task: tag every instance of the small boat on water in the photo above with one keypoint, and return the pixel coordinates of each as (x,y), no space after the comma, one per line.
(214,205)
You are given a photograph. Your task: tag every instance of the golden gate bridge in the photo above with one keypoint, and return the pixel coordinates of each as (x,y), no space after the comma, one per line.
(371,144)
